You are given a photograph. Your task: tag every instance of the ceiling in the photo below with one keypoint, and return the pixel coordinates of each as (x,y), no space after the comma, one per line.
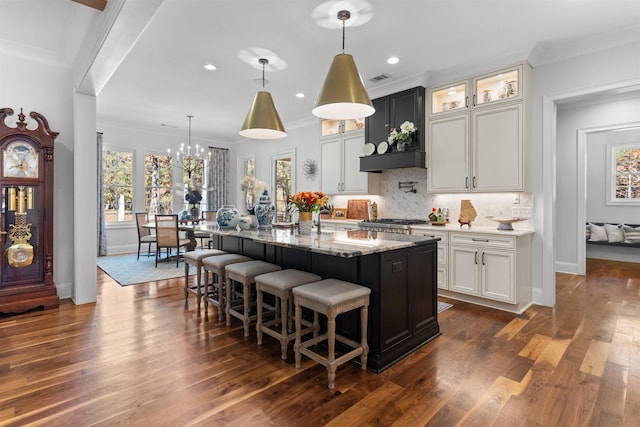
(160,78)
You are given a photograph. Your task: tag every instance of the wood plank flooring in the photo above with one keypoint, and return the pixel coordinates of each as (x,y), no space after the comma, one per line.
(136,357)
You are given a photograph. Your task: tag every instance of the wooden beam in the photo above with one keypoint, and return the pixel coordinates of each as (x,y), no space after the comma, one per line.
(96,4)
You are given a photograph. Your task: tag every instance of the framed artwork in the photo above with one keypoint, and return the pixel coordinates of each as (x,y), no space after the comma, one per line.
(339,213)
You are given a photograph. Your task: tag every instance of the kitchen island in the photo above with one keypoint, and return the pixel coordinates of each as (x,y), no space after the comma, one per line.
(399,269)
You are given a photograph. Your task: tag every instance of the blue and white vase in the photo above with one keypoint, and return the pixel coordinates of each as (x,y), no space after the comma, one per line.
(265,211)
(245,222)
(227,216)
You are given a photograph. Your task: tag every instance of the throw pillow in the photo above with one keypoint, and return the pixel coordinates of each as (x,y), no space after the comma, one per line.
(614,233)
(598,233)
(631,234)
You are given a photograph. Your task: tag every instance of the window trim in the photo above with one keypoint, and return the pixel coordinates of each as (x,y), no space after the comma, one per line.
(610,199)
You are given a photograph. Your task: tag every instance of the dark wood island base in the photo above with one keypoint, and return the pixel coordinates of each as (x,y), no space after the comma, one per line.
(403,313)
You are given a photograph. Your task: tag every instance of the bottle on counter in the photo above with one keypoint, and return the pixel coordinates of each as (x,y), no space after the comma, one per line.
(439,215)
(446,215)
(432,215)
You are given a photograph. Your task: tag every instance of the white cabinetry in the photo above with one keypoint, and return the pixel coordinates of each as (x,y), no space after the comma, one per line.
(340,165)
(490,268)
(476,141)
(443,254)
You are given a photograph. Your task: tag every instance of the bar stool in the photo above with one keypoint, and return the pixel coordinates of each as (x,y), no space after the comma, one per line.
(279,284)
(244,273)
(331,297)
(195,258)
(214,290)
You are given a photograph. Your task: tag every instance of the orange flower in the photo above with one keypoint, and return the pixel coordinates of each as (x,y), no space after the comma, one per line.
(309,201)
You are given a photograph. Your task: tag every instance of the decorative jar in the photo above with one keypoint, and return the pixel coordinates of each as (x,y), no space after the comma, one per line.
(264,212)
(227,216)
(305,223)
(245,222)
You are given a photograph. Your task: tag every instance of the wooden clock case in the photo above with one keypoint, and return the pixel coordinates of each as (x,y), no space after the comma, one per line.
(26,287)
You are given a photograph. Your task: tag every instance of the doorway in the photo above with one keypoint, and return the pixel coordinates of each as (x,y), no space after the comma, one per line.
(283,180)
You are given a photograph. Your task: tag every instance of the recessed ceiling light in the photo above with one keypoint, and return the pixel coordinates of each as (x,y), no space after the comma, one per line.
(210,67)
(299,95)
(393,60)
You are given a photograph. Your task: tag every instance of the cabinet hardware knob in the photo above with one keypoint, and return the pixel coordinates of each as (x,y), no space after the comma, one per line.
(475,257)
(466,182)
(474,182)
(484,258)
(474,99)
(466,101)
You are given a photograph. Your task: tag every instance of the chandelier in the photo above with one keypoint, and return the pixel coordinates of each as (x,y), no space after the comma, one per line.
(191,163)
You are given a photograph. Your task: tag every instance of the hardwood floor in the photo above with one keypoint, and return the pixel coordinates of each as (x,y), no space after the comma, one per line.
(137,358)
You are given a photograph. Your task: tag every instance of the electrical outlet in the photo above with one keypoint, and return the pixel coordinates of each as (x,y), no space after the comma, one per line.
(521,212)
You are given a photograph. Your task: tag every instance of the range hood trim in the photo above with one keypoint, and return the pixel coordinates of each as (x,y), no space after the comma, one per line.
(396,160)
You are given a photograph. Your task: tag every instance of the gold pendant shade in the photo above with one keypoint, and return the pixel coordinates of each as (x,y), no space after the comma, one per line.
(343,95)
(263,121)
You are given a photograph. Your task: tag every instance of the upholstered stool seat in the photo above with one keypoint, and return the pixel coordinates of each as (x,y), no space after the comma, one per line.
(244,273)
(215,288)
(195,258)
(279,284)
(331,297)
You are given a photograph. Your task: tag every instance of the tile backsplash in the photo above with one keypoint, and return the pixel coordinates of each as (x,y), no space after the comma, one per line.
(395,202)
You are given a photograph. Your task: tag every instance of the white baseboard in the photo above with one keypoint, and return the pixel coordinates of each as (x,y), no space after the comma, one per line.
(566,267)
(125,249)
(64,290)
(537,296)
(614,253)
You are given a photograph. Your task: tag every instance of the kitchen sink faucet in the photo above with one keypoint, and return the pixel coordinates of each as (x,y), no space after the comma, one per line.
(324,211)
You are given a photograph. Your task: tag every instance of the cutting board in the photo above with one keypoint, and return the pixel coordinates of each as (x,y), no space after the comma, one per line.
(358,209)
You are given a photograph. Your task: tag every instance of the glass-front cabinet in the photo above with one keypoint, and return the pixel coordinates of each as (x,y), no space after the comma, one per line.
(330,127)
(489,89)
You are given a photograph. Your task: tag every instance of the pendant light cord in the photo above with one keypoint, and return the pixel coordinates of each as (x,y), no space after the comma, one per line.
(343,35)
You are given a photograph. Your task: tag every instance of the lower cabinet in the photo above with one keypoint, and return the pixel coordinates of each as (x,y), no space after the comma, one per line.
(491,269)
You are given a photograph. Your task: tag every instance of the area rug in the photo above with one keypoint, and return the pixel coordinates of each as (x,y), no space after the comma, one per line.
(125,270)
(442,306)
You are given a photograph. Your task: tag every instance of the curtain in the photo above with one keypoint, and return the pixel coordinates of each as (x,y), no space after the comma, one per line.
(102,232)
(218,178)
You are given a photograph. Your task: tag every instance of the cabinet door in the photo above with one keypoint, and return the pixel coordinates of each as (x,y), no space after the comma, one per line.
(330,165)
(354,180)
(498,149)
(500,86)
(377,125)
(498,275)
(408,105)
(464,270)
(448,155)
(449,98)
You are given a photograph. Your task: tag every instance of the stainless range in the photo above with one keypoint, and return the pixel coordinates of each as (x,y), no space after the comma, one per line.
(390,225)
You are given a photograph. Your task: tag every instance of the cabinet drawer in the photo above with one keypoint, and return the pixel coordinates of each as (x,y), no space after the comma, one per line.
(484,240)
(443,254)
(443,235)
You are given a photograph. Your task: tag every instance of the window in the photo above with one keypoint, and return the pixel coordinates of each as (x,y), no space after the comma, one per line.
(283,177)
(624,173)
(158,181)
(117,171)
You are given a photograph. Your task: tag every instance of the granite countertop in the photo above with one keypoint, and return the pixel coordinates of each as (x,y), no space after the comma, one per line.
(473,229)
(345,244)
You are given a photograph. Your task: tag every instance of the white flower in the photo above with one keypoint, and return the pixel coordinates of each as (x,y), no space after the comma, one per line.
(392,136)
(407,127)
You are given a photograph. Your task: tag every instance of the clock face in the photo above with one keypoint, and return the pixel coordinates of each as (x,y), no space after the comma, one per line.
(20,160)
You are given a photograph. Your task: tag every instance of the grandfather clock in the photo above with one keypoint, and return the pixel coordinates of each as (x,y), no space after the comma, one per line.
(26,220)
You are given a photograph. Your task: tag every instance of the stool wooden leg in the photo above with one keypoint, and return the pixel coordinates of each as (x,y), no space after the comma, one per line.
(364,314)
(229,285)
(259,315)
(245,302)
(296,346)
(198,290)
(206,295)
(222,297)
(186,286)
(331,357)
(284,310)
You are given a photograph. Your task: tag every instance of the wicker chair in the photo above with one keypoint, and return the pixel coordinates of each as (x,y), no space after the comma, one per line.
(167,236)
(144,234)
(207,216)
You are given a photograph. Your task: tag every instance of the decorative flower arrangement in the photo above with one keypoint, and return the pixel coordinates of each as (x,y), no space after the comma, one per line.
(193,197)
(309,201)
(407,129)
(253,188)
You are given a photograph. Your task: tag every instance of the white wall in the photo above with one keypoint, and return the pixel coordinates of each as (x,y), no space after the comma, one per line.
(570,118)
(614,67)
(47,88)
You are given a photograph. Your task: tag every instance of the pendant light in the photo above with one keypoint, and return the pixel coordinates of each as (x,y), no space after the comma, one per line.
(263,121)
(343,95)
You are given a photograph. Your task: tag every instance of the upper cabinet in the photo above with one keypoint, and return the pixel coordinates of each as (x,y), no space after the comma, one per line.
(391,111)
(487,90)
(329,127)
(339,172)
(476,138)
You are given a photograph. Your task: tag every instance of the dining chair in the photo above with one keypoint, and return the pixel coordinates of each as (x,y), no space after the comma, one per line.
(167,236)
(207,216)
(144,233)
